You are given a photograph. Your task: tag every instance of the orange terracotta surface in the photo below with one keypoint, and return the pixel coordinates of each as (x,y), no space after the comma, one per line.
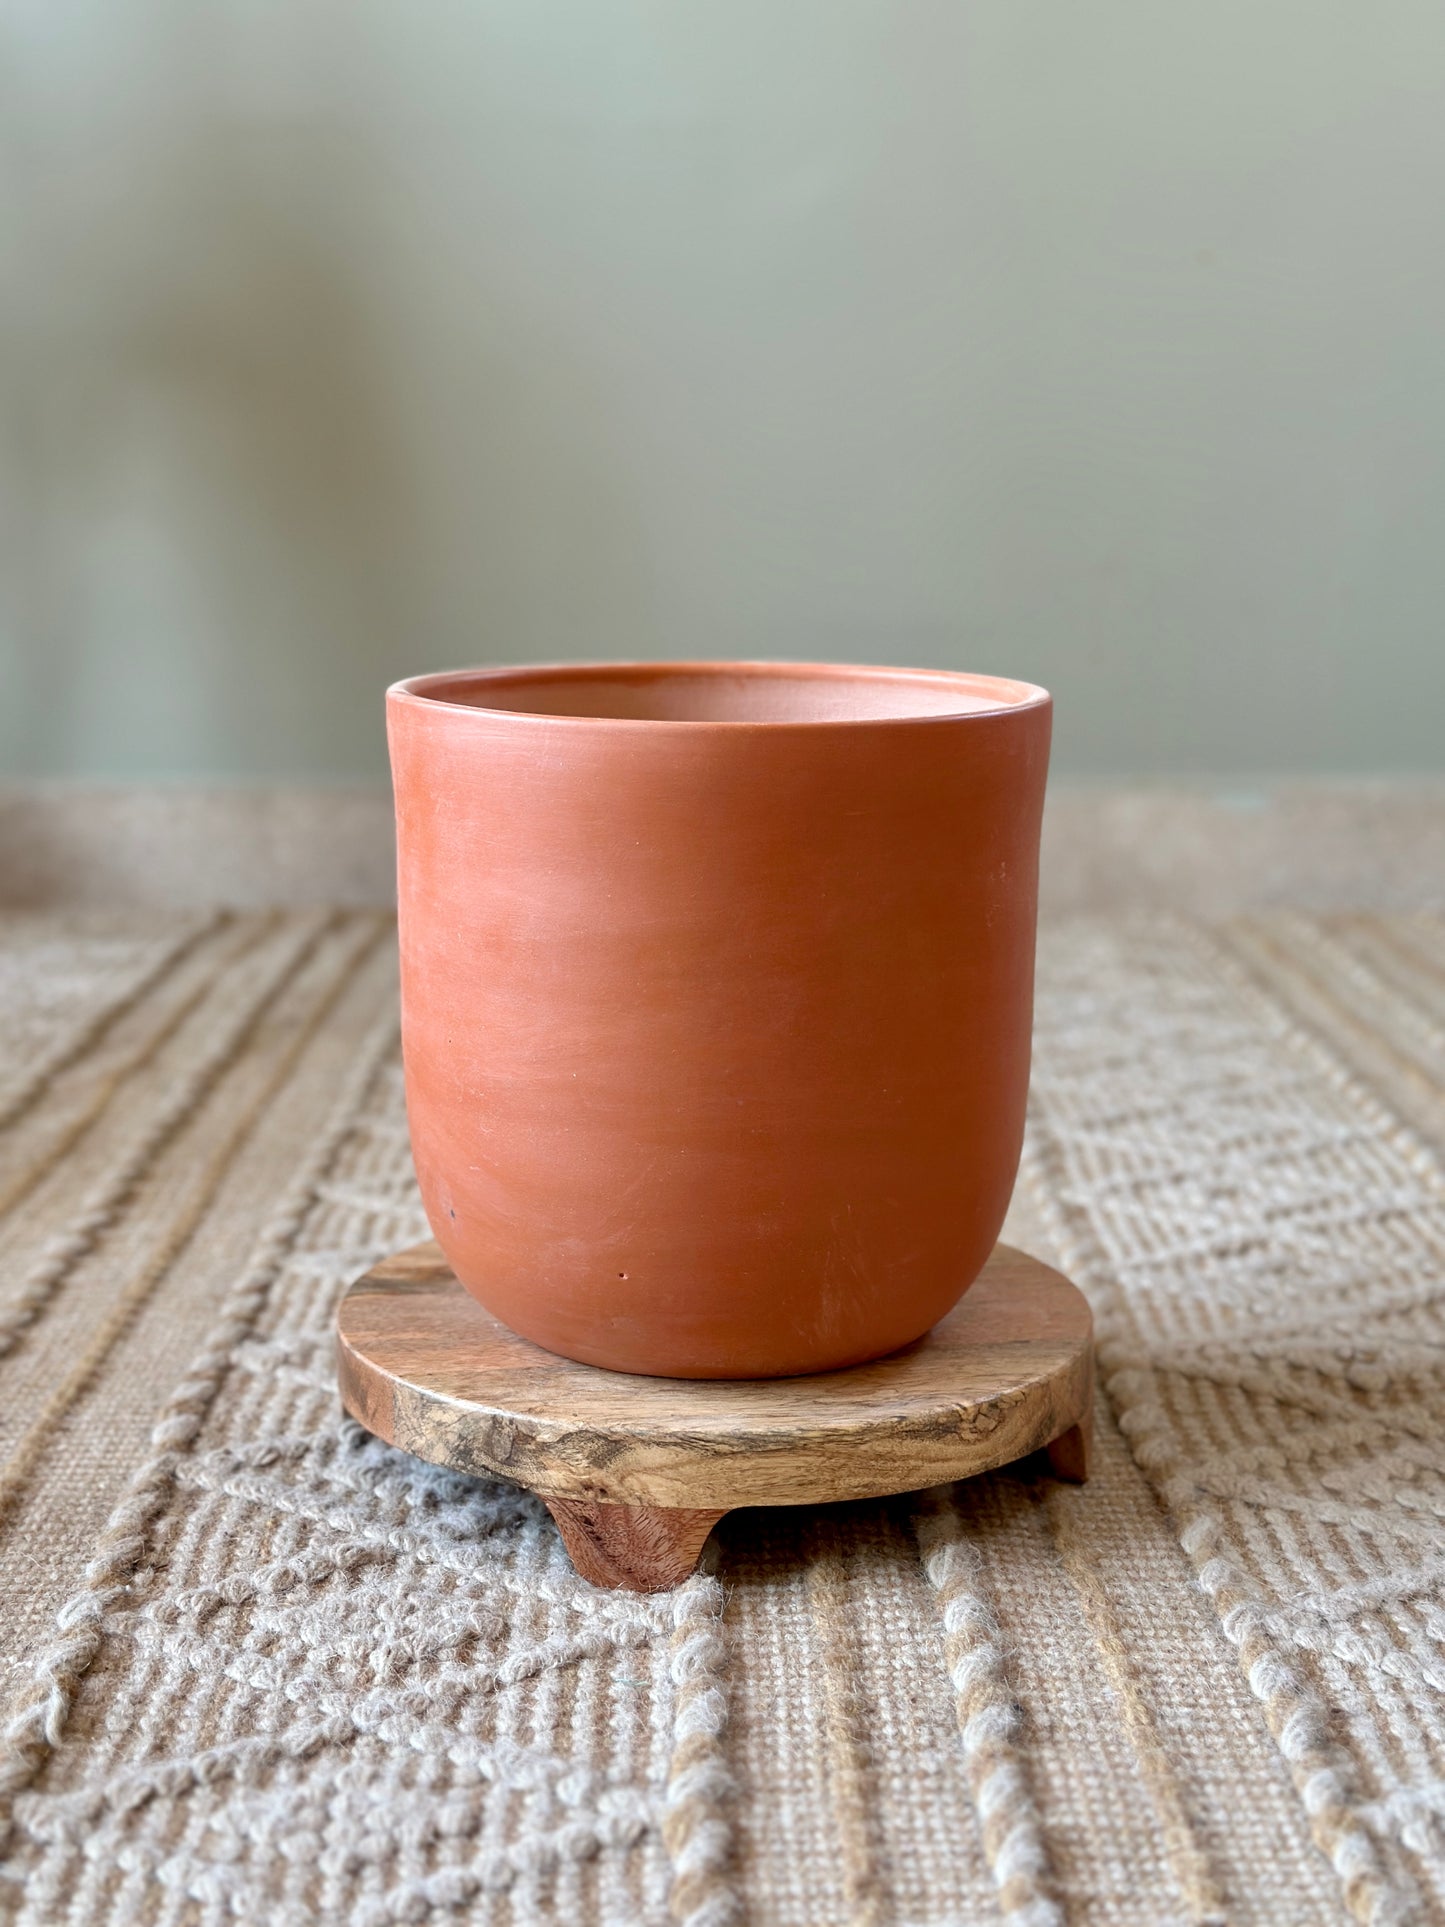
(717,989)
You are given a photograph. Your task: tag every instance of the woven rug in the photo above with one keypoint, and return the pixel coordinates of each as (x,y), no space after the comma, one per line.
(260,1668)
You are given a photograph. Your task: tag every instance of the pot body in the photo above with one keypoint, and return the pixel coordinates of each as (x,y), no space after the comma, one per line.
(716,1032)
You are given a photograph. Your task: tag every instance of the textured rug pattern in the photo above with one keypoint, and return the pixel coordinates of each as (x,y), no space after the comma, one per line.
(1264,1242)
(261,1667)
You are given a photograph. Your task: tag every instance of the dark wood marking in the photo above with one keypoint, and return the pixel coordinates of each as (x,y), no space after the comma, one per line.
(645,1548)
(637,1470)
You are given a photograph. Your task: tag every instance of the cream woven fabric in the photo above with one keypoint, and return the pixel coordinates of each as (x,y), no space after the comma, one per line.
(261,1668)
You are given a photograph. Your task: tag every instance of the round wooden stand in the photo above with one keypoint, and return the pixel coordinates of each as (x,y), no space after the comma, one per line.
(637,1471)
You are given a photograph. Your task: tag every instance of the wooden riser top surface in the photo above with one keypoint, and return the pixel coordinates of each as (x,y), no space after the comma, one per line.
(1009,1371)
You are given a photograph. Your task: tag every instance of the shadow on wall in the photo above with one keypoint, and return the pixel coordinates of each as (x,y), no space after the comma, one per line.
(216,480)
(236,519)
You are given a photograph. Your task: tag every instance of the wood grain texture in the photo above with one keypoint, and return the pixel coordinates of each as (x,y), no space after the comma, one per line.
(1008,1372)
(640,1548)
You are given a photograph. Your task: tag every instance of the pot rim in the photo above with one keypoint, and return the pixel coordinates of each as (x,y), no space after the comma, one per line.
(1010,695)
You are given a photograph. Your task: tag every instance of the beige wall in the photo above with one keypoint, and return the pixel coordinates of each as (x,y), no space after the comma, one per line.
(1096,341)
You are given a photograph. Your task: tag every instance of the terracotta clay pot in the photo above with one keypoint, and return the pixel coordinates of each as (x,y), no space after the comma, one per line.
(717,986)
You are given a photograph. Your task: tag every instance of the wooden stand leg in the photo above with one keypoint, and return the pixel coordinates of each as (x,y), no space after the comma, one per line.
(1068,1456)
(642,1548)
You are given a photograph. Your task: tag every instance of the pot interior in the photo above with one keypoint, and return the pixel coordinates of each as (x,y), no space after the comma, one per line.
(726,692)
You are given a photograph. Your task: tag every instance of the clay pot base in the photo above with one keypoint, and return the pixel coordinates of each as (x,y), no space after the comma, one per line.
(637,1471)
